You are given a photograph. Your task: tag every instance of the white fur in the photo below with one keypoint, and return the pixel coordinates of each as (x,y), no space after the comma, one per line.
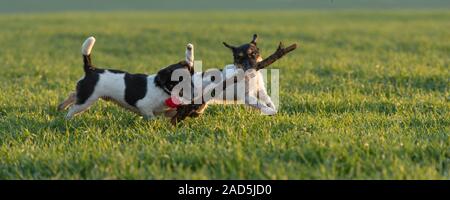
(254,88)
(190,54)
(112,86)
(153,102)
(86,48)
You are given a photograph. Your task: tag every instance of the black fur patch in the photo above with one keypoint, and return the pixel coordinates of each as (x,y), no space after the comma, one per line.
(246,55)
(115,71)
(98,71)
(163,77)
(87,63)
(135,87)
(86,86)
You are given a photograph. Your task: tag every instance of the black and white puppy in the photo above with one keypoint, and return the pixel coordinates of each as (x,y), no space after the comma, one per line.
(143,94)
(246,58)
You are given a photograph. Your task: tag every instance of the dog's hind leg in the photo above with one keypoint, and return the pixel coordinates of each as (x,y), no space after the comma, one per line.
(69,101)
(79,108)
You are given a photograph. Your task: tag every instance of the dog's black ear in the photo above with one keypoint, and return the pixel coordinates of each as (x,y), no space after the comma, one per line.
(162,77)
(228,46)
(255,37)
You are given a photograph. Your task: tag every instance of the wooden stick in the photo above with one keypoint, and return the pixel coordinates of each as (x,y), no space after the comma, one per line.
(280,52)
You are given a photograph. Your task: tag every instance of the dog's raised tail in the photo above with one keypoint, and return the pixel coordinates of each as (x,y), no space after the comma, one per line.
(86,49)
(190,54)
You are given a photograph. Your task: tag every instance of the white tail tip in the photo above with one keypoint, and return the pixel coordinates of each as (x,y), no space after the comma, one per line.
(86,48)
(190,54)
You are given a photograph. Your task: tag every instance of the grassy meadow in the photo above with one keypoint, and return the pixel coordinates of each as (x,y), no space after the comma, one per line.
(366,96)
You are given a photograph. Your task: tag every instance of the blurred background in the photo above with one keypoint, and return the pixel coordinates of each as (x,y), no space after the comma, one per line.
(107,5)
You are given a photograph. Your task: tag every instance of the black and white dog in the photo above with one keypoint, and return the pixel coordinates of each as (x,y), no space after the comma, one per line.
(246,58)
(146,95)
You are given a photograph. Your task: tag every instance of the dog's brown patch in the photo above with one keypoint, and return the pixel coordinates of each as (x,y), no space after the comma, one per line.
(69,101)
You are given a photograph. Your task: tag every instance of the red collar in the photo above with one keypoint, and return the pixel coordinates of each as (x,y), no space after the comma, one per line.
(172,102)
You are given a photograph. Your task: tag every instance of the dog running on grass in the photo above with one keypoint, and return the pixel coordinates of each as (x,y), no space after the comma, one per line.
(246,57)
(143,94)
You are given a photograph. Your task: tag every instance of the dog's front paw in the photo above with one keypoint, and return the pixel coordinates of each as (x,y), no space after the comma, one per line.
(269,111)
(271,105)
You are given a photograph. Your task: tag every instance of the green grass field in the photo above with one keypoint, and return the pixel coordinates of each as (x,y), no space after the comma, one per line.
(365,97)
